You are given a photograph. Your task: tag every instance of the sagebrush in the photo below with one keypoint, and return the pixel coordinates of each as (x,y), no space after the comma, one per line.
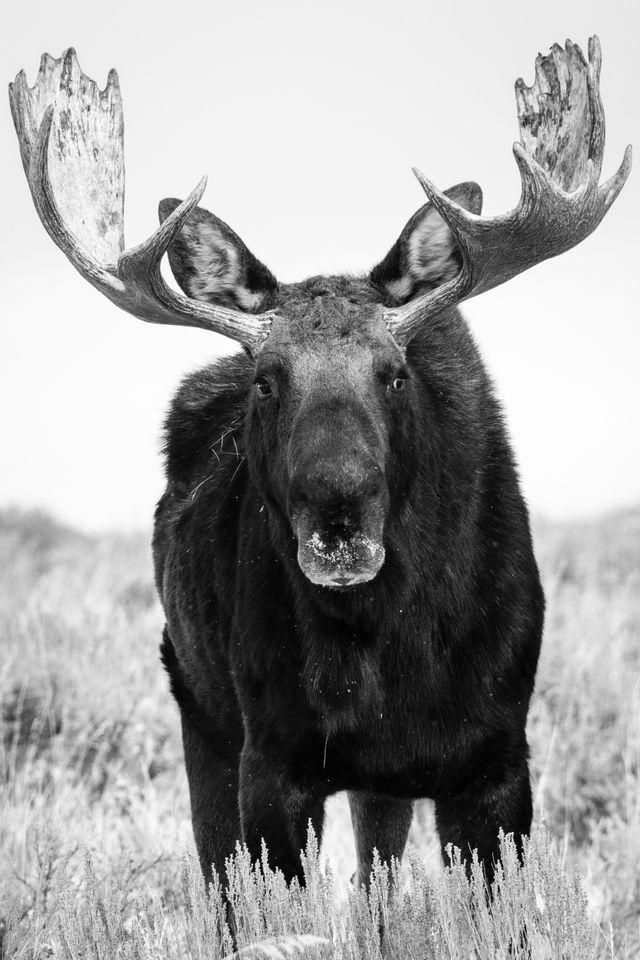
(95,821)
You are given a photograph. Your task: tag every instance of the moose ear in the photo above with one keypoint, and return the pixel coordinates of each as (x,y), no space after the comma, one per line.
(210,262)
(426,253)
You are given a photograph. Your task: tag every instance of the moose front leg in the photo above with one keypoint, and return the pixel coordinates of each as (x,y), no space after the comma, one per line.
(213,790)
(472,818)
(276,810)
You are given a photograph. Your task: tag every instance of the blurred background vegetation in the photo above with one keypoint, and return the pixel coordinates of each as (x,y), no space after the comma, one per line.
(91,759)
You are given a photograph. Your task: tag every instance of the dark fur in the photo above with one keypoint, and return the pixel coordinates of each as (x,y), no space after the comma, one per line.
(415,684)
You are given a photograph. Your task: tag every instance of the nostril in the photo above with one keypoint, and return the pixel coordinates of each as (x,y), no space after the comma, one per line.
(301,496)
(371,487)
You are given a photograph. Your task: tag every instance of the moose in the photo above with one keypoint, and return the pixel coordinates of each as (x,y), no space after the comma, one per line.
(342,552)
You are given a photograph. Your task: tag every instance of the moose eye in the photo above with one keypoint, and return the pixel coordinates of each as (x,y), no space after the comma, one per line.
(263,387)
(398,384)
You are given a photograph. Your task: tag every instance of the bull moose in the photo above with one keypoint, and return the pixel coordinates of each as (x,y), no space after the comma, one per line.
(342,552)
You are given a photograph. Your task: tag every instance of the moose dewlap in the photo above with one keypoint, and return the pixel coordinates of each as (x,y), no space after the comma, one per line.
(342,552)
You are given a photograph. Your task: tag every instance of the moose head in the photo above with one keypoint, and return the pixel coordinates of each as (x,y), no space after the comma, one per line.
(333,405)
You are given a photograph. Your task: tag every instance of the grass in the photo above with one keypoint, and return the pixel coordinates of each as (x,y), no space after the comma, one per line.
(96,853)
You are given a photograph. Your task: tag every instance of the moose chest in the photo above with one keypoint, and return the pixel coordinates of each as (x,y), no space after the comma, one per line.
(411,734)
(389,716)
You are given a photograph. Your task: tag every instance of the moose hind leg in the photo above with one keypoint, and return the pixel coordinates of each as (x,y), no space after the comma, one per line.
(213,789)
(472,819)
(378,822)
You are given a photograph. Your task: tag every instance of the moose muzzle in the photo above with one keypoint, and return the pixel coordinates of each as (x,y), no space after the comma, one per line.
(338,509)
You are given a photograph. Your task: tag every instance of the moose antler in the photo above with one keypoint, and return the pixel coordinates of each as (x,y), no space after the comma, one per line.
(71,142)
(560,159)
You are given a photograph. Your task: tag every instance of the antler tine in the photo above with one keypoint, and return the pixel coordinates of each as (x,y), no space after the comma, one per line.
(609,190)
(596,152)
(562,132)
(71,137)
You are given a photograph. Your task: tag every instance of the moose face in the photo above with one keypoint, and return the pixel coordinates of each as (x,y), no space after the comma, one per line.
(330,385)
(328,433)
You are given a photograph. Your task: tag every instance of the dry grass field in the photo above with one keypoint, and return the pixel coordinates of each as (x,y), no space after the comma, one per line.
(95,845)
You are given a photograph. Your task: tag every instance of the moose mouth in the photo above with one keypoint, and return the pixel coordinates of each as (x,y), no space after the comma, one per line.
(338,561)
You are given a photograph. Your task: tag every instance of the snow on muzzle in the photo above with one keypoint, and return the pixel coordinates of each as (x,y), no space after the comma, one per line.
(338,560)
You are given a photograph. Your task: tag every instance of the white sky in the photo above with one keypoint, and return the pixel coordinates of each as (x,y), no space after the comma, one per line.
(308,118)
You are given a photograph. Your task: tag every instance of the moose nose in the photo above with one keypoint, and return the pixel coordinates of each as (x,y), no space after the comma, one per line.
(328,484)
